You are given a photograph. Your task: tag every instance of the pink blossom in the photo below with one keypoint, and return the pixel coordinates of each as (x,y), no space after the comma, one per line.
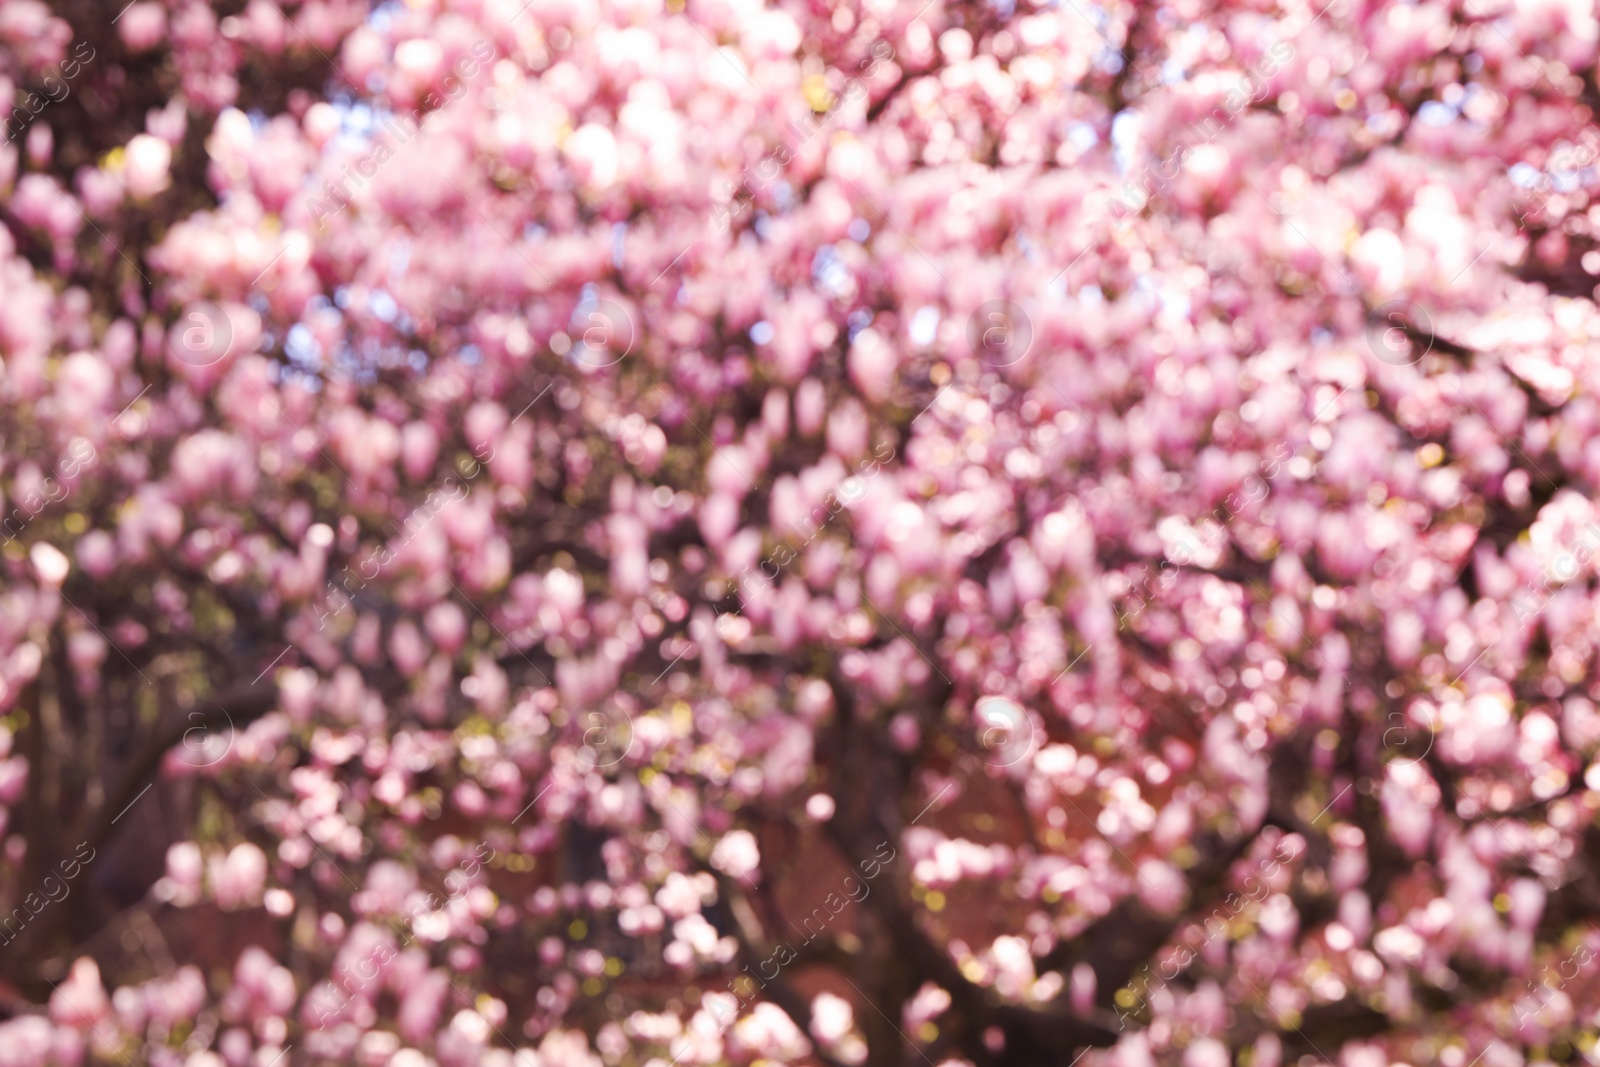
(148,161)
(588,417)
(142,26)
(831,1018)
(81,1000)
(237,880)
(737,854)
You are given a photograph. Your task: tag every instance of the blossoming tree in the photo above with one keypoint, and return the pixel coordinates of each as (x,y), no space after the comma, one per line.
(602,531)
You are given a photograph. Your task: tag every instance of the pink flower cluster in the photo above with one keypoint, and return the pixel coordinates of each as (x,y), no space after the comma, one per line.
(372,508)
